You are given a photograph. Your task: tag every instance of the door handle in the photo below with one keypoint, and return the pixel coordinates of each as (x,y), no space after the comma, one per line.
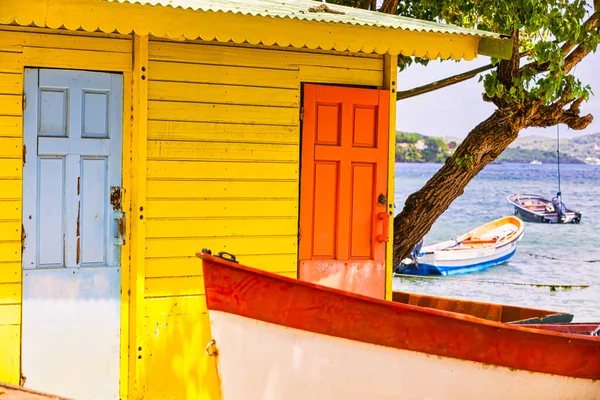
(120,217)
(385,237)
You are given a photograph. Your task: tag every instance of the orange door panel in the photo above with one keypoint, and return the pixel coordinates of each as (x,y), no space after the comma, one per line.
(343,196)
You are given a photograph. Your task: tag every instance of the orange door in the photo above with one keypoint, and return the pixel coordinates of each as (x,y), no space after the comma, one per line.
(343,196)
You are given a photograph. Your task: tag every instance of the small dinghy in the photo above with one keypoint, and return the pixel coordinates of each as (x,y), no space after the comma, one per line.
(488,311)
(573,328)
(534,208)
(487,245)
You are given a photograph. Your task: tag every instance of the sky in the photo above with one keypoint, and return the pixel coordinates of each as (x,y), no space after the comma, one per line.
(455,110)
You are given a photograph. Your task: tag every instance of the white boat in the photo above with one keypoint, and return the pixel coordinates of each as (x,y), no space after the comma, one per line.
(536,162)
(487,245)
(275,337)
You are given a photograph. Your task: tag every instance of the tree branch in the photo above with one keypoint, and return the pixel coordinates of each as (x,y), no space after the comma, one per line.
(565,49)
(430,87)
(368,4)
(575,57)
(508,69)
(389,7)
(556,113)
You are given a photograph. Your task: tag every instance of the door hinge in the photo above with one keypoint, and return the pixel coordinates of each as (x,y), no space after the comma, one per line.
(24,154)
(24,101)
(301,113)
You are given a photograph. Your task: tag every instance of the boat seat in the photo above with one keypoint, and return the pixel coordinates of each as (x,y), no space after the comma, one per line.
(476,240)
(536,208)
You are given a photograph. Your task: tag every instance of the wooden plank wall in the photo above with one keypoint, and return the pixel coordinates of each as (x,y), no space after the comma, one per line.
(11,164)
(18,49)
(223,173)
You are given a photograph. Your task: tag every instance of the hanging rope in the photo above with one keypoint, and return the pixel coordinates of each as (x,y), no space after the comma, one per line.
(552,287)
(559,194)
(561,259)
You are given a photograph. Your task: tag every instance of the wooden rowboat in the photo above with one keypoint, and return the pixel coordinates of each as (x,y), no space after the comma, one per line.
(577,328)
(280,338)
(534,208)
(490,244)
(488,311)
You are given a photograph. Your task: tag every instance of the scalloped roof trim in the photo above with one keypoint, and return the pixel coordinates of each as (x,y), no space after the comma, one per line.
(298,10)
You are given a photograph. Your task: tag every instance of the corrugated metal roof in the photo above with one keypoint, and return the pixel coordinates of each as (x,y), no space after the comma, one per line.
(291,23)
(300,10)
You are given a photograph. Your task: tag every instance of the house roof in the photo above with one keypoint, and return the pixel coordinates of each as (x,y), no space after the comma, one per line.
(301,10)
(296,23)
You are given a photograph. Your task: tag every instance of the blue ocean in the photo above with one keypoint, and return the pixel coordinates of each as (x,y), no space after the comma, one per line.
(548,254)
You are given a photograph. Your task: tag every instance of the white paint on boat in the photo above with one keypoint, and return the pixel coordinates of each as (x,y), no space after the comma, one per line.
(259,360)
(482,247)
(468,256)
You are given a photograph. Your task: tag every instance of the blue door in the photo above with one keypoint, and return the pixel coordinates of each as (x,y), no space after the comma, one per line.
(71,220)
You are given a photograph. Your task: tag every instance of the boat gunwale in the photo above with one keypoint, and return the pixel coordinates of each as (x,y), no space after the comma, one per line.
(237,298)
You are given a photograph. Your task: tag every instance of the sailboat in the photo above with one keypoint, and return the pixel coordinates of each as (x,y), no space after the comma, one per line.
(536,208)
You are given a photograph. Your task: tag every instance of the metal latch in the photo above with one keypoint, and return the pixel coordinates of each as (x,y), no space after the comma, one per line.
(120,217)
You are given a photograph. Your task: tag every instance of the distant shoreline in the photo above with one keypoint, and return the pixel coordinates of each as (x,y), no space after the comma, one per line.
(502,162)
(585,149)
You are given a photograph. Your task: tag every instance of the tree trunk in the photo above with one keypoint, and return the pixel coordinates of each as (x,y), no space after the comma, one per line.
(483,144)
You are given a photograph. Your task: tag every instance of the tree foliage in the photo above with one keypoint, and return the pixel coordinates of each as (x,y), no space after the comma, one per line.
(535,88)
(411,138)
(413,147)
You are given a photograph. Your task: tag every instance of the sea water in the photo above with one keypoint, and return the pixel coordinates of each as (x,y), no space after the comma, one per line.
(548,254)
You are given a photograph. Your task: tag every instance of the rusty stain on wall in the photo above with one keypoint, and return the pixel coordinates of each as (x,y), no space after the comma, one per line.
(23,236)
(78,219)
(77,233)
(77,252)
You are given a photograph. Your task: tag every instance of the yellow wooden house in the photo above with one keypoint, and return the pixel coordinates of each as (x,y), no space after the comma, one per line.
(134,135)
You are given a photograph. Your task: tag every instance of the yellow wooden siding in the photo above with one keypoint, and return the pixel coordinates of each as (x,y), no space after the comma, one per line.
(181,320)
(190,265)
(11,163)
(215,132)
(10,61)
(10,272)
(223,144)
(32,48)
(267,58)
(11,359)
(223,173)
(139,123)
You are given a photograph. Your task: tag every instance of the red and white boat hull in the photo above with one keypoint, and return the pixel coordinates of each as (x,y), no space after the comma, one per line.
(279,338)
(261,360)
